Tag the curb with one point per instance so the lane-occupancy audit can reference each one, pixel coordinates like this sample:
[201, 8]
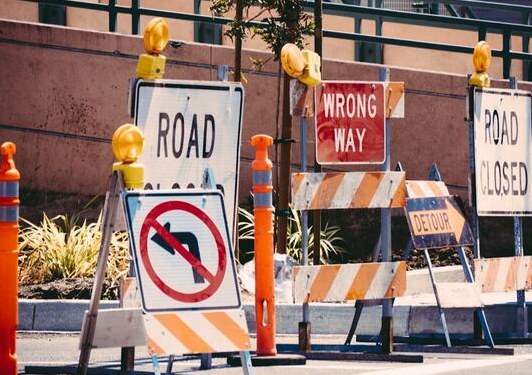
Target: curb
[67, 316]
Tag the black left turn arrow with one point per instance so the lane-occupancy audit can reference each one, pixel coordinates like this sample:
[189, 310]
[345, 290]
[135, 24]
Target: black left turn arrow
[188, 240]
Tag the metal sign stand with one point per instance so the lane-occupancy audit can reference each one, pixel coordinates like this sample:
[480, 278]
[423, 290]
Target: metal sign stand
[383, 248]
[387, 325]
[480, 314]
[434, 175]
[522, 313]
[522, 310]
[127, 359]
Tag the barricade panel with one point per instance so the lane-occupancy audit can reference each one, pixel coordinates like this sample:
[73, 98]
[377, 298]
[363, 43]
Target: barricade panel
[347, 282]
[341, 190]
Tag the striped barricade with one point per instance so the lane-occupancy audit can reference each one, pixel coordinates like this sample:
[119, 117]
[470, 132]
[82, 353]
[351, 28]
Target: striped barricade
[395, 99]
[503, 274]
[458, 295]
[347, 282]
[190, 332]
[313, 191]
[426, 189]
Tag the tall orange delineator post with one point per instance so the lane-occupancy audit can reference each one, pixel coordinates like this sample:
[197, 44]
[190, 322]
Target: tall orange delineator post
[264, 278]
[9, 204]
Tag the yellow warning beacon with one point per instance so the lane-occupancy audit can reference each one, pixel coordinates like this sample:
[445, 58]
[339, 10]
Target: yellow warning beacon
[481, 62]
[128, 142]
[303, 65]
[151, 64]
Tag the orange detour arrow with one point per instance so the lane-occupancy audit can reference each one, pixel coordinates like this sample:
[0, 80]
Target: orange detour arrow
[437, 222]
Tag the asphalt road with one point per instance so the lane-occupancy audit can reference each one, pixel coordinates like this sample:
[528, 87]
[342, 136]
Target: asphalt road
[61, 349]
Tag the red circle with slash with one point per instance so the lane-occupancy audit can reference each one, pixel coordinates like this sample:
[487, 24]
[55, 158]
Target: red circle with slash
[214, 280]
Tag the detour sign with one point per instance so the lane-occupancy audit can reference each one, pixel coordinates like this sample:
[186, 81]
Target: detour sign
[437, 222]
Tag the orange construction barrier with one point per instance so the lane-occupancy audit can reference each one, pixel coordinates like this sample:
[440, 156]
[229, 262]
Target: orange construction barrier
[9, 203]
[264, 278]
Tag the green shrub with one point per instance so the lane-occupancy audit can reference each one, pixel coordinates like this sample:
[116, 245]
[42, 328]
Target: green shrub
[59, 248]
[330, 244]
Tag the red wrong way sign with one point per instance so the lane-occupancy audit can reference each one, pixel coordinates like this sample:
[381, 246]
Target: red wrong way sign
[350, 123]
[182, 251]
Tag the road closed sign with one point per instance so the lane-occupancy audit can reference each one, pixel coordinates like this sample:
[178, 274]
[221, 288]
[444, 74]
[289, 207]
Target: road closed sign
[503, 152]
[188, 127]
[182, 250]
[350, 123]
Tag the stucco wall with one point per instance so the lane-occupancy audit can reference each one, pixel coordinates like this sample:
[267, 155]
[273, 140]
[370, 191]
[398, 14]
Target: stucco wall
[64, 91]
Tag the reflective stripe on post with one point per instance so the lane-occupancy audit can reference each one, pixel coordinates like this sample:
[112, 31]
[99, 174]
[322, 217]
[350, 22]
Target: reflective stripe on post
[9, 189]
[262, 177]
[262, 200]
[9, 202]
[8, 214]
[264, 278]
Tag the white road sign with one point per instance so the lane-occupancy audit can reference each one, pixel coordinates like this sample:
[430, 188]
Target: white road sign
[190, 126]
[503, 152]
[182, 250]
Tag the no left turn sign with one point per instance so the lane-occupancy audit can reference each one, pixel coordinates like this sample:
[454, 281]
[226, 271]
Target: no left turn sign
[182, 251]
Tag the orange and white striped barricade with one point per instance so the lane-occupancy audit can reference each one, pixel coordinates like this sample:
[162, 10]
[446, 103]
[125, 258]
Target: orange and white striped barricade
[348, 190]
[426, 189]
[343, 138]
[503, 274]
[349, 282]
[189, 331]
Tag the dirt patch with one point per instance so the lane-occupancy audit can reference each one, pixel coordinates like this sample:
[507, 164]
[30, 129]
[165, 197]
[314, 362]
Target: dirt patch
[80, 288]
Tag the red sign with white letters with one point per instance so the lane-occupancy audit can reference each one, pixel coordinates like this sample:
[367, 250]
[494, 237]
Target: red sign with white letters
[350, 123]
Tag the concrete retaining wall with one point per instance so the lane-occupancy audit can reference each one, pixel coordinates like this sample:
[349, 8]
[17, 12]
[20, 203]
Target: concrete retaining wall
[64, 91]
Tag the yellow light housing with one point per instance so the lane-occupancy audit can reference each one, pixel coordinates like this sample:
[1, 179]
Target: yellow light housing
[303, 65]
[156, 36]
[482, 57]
[128, 142]
[292, 60]
[481, 62]
[151, 64]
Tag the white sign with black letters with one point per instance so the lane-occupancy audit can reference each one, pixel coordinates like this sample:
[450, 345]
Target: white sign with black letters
[503, 152]
[188, 127]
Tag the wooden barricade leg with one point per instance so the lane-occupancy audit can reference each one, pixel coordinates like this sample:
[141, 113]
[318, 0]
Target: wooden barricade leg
[127, 359]
[110, 209]
[127, 354]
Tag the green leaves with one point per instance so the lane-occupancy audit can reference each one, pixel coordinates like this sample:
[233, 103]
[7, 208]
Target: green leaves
[284, 22]
[60, 248]
[330, 244]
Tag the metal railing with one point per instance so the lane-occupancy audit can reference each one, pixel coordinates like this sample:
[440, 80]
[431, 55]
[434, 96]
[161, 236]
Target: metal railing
[358, 13]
